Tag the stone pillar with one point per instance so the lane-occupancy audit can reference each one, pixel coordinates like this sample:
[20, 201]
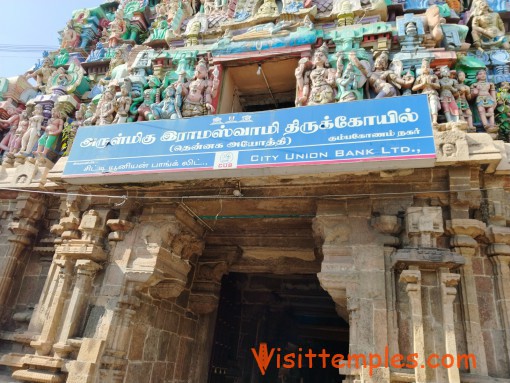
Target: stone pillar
[499, 253]
[44, 343]
[390, 226]
[29, 209]
[353, 273]
[85, 270]
[463, 232]
[112, 361]
[413, 279]
[423, 264]
[204, 300]
[449, 282]
[150, 266]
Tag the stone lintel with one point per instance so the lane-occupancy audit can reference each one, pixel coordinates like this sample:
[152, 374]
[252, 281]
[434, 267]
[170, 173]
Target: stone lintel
[426, 258]
[38, 376]
[81, 251]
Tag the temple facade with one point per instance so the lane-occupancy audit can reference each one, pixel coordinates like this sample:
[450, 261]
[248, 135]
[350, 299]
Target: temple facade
[220, 191]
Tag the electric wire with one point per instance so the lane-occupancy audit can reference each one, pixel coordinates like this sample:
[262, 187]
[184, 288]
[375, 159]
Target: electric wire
[126, 197]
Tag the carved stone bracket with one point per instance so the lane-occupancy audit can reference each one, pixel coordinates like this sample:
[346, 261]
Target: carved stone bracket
[390, 226]
[464, 232]
[212, 266]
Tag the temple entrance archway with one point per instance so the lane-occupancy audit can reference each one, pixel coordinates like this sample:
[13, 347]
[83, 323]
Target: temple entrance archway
[291, 313]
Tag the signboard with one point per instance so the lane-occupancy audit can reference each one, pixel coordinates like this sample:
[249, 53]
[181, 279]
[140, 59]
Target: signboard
[383, 134]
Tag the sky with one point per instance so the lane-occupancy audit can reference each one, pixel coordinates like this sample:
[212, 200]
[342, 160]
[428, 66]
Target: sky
[34, 23]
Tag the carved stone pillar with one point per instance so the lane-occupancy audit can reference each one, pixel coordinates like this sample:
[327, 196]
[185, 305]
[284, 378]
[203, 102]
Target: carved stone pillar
[463, 232]
[412, 278]
[29, 209]
[353, 273]
[390, 227]
[44, 343]
[151, 258]
[499, 253]
[204, 300]
[85, 271]
[113, 362]
[422, 268]
[449, 282]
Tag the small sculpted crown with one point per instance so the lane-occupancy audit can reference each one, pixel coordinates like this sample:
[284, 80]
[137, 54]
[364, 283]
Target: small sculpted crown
[324, 49]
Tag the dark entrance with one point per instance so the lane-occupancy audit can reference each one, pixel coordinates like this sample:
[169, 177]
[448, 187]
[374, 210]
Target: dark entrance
[291, 313]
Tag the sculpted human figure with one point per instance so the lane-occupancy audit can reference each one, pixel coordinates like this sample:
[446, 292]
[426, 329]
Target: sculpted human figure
[464, 95]
[485, 93]
[123, 104]
[348, 85]
[447, 94]
[117, 28]
[15, 141]
[106, 108]
[11, 124]
[43, 74]
[170, 107]
[51, 132]
[488, 29]
[70, 38]
[33, 132]
[150, 96]
[384, 81]
[315, 86]
[267, 9]
[199, 92]
[428, 83]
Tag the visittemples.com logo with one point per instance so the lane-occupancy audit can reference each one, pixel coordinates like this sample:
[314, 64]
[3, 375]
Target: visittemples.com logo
[264, 356]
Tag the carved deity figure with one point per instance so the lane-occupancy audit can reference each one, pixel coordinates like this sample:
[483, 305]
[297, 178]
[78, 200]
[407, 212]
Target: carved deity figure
[33, 132]
[98, 53]
[123, 104]
[199, 92]
[53, 129]
[267, 9]
[349, 81]
[70, 38]
[10, 124]
[384, 81]
[428, 83]
[447, 94]
[15, 141]
[464, 95]
[106, 108]
[151, 96]
[70, 130]
[315, 86]
[43, 74]
[117, 29]
[170, 106]
[485, 93]
[488, 29]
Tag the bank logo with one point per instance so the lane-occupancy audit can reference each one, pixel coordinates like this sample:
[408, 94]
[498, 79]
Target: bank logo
[226, 160]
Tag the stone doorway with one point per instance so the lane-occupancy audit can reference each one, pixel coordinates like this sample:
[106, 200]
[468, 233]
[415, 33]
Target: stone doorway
[285, 311]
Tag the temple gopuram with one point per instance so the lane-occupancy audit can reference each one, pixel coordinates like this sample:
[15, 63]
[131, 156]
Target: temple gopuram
[250, 191]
